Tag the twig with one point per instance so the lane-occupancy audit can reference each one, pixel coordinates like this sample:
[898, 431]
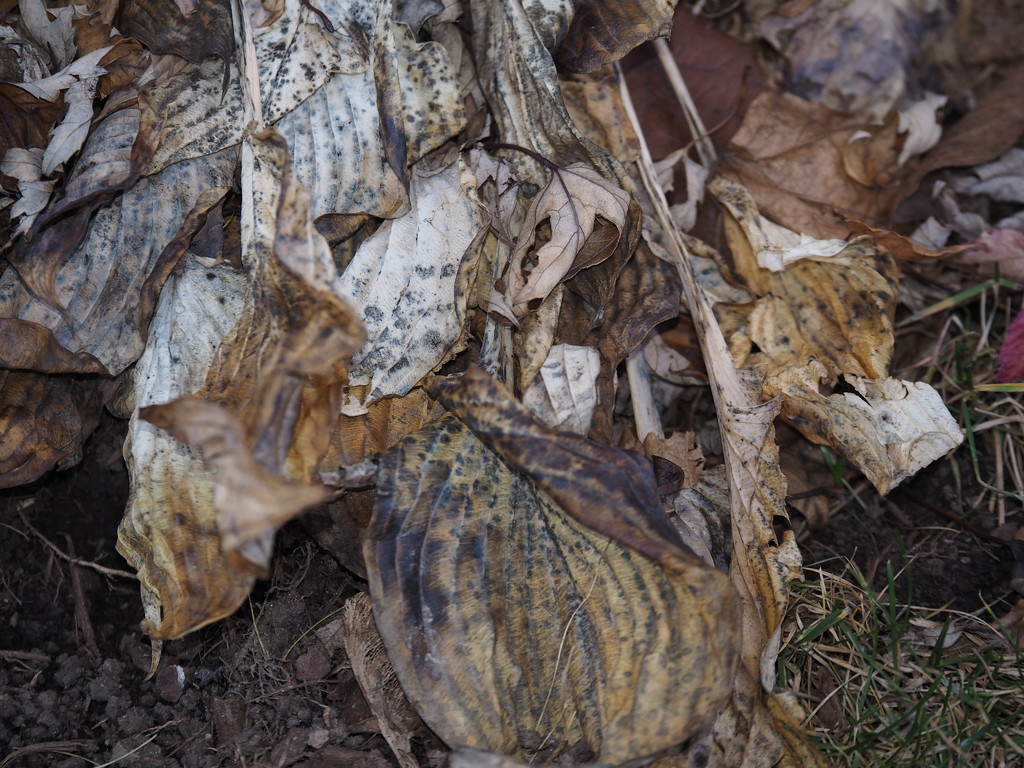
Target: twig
[82, 606]
[705, 148]
[43, 746]
[24, 655]
[645, 414]
[112, 572]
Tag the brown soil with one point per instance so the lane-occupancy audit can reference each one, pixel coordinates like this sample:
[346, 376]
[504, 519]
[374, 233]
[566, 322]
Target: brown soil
[260, 688]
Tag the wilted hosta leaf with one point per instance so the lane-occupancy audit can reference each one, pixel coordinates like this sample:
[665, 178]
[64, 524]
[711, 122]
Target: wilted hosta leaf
[580, 619]
[518, 78]
[169, 531]
[164, 28]
[324, 99]
[835, 304]
[259, 499]
[410, 282]
[889, 428]
[44, 420]
[274, 380]
[572, 203]
[99, 284]
[834, 310]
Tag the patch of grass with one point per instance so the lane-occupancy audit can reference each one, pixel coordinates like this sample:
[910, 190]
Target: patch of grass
[890, 684]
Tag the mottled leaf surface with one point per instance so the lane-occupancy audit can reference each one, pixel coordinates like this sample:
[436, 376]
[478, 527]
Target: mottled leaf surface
[410, 282]
[99, 284]
[169, 531]
[564, 633]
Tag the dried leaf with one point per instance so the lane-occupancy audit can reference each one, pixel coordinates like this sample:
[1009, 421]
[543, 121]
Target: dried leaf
[69, 136]
[793, 156]
[30, 347]
[533, 596]
[24, 119]
[169, 530]
[849, 56]
[601, 33]
[410, 282]
[248, 499]
[834, 301]
[86, 67]
[116, 255]
[564, 394]
[55, 36]
[44, 420]
[722, 93]
[164, 28]
[982, 135]
[573, 202]
[890, 429]
[377, 681]
[25, 165]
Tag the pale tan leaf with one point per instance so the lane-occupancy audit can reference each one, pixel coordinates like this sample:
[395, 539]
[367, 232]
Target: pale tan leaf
[69, 135]
[890, 429]
[56, 36]
[572, 202]
[564, 394]
[170, 507]
[248, 499]
[410, 281]
[49, 88]
[25, 165]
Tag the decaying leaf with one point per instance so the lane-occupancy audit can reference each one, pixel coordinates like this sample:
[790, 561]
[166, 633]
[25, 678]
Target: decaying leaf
[848, 55]
[601, 33]
[587, 216]
[829, 299]
[44, 420]
[824, 319]
[793, 156]
[170, 508]
[410, 282]
[564, 394]
[247, 498]
[25, 165]
[890, 429]
[376, 678]
[612, 641]
[273, 385]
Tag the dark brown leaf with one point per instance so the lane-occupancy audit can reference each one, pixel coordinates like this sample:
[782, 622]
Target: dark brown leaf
[602, 32]
[44, 420]
[163, 28]
[29, 346]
